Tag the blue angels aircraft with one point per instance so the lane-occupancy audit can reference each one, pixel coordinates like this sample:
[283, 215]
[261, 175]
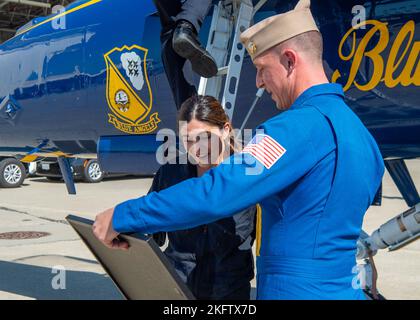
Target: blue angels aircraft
[97, 86]
[101, 79]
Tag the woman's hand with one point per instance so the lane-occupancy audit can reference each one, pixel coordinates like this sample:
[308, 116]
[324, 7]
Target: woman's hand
[103, 230]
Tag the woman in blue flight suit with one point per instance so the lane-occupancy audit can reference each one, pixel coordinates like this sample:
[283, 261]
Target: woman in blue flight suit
[214, 260]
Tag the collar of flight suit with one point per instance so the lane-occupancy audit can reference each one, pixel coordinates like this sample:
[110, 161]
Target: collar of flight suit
[320, 89]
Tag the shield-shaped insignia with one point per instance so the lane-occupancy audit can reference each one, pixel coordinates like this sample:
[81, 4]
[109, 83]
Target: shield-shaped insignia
[128, 89]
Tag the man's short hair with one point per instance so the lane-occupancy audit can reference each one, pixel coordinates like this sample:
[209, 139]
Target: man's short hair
[309, 43]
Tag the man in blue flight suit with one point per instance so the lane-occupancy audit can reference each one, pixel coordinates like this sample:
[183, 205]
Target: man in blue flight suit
[320, 171]
[181, 21]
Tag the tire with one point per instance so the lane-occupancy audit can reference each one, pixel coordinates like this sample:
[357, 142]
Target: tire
[92, 172]
[12, 173]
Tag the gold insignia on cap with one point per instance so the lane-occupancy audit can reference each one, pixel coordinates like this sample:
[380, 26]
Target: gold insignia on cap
[252, 48]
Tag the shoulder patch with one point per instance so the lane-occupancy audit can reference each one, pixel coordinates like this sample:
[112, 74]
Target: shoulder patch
[265, 149]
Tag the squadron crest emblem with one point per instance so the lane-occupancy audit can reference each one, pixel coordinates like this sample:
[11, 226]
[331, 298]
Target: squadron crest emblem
[128, 91]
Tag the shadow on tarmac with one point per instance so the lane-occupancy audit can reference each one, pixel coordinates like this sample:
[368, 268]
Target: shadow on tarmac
[36, 282]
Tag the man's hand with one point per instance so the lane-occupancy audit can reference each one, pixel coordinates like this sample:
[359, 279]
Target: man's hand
[103, 230]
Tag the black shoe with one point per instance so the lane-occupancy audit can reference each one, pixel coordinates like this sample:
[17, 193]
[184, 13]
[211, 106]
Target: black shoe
[186, 44]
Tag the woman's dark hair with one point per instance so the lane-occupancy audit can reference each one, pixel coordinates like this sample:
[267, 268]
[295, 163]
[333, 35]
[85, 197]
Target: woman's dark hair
[207, 109]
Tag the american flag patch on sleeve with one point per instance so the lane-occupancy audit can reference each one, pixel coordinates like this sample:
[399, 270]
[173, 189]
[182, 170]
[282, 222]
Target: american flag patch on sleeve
[265, 149]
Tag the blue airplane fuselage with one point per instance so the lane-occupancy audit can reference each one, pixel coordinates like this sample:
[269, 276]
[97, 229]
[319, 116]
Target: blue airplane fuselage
[62, 89]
